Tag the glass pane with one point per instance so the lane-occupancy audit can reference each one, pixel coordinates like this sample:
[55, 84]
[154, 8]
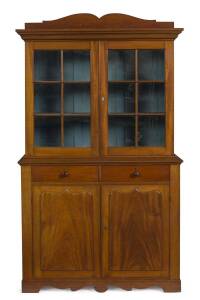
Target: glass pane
[76, 65]
[47, 131]
[151, 97]
[151, 64]
[121, 97]
[77, 132]
[121, 131]
[121, 64]
[47, 98]
[77, 97]
[47, 65]
[152, 131]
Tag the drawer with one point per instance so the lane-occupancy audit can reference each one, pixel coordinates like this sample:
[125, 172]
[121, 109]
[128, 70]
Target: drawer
[64, 173]
[135, 173]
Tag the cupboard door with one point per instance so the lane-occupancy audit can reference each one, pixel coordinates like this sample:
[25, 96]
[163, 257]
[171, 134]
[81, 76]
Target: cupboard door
[65, 231]
[63, 92]
[135, 88]
[135, 231]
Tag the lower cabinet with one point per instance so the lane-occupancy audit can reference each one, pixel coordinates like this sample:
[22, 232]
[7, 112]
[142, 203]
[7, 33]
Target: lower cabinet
[65, 231]
[127, 230]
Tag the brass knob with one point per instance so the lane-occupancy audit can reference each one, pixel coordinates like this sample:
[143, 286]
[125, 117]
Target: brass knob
[64, 174]
[135, 173]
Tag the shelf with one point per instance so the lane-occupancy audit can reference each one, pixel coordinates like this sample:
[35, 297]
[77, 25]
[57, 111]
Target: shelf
[62, 81]
[136, 114]
[76, 114]
[64, 114]
[136, 81]
[47, 114]
[46, 81]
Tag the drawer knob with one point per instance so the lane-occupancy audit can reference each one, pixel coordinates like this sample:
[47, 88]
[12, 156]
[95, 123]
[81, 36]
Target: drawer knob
[64, 174]
[135, 173]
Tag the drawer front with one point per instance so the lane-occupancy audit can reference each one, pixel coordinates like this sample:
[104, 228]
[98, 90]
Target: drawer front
[64, 173]
[135, 173]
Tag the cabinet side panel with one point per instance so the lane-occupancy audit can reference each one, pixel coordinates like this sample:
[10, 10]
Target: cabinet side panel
[26, 222]
[29, 97]
[169, 95]
[175, 222]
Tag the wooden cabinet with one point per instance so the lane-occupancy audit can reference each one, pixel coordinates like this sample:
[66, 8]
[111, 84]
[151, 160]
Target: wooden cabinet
[100, 180]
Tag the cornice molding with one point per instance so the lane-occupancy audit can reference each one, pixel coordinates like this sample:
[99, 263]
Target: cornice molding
[88, 26]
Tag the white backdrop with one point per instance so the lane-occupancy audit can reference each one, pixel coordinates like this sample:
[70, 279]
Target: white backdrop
[13, 14]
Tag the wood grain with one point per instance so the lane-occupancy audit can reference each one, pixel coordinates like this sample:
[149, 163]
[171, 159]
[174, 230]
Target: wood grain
[126, 173]
[98, 225]
[175, 222]
[26, 222]
[101, 285]
[110, 27]
[65, 231]
[56, 173]
[136, 231]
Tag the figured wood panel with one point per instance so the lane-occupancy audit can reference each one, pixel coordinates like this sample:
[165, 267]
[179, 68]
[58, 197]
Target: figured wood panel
[65, 231]
[136, 231]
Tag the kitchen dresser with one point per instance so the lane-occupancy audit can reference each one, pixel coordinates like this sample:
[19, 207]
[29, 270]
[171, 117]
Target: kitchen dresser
[100, 180]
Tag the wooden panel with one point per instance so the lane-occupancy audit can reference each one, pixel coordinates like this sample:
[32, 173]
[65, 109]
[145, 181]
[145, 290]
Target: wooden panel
[26, 222]
[136, 231]
[113, 20]
[175, 222]
[135, 173]
[66, 229]
[64, 174]
[126, 160]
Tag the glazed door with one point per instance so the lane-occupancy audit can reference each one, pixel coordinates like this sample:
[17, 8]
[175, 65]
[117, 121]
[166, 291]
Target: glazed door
[62, 97]
[136, 98]
[65, 231]
[135, 231]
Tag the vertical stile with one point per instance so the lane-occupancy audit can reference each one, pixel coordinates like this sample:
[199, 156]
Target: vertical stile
[136, 97]
[62, 100]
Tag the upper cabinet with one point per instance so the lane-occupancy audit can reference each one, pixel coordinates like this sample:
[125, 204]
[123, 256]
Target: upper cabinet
[99, 87]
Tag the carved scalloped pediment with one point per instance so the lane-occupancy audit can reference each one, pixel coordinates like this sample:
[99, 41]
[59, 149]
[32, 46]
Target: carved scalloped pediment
[110, 26]
[91, 21]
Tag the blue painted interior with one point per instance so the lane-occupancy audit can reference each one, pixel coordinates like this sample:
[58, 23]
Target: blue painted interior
[152, 131]
[121, 131]
[121, 64]
[121, 97]
[151, 97]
